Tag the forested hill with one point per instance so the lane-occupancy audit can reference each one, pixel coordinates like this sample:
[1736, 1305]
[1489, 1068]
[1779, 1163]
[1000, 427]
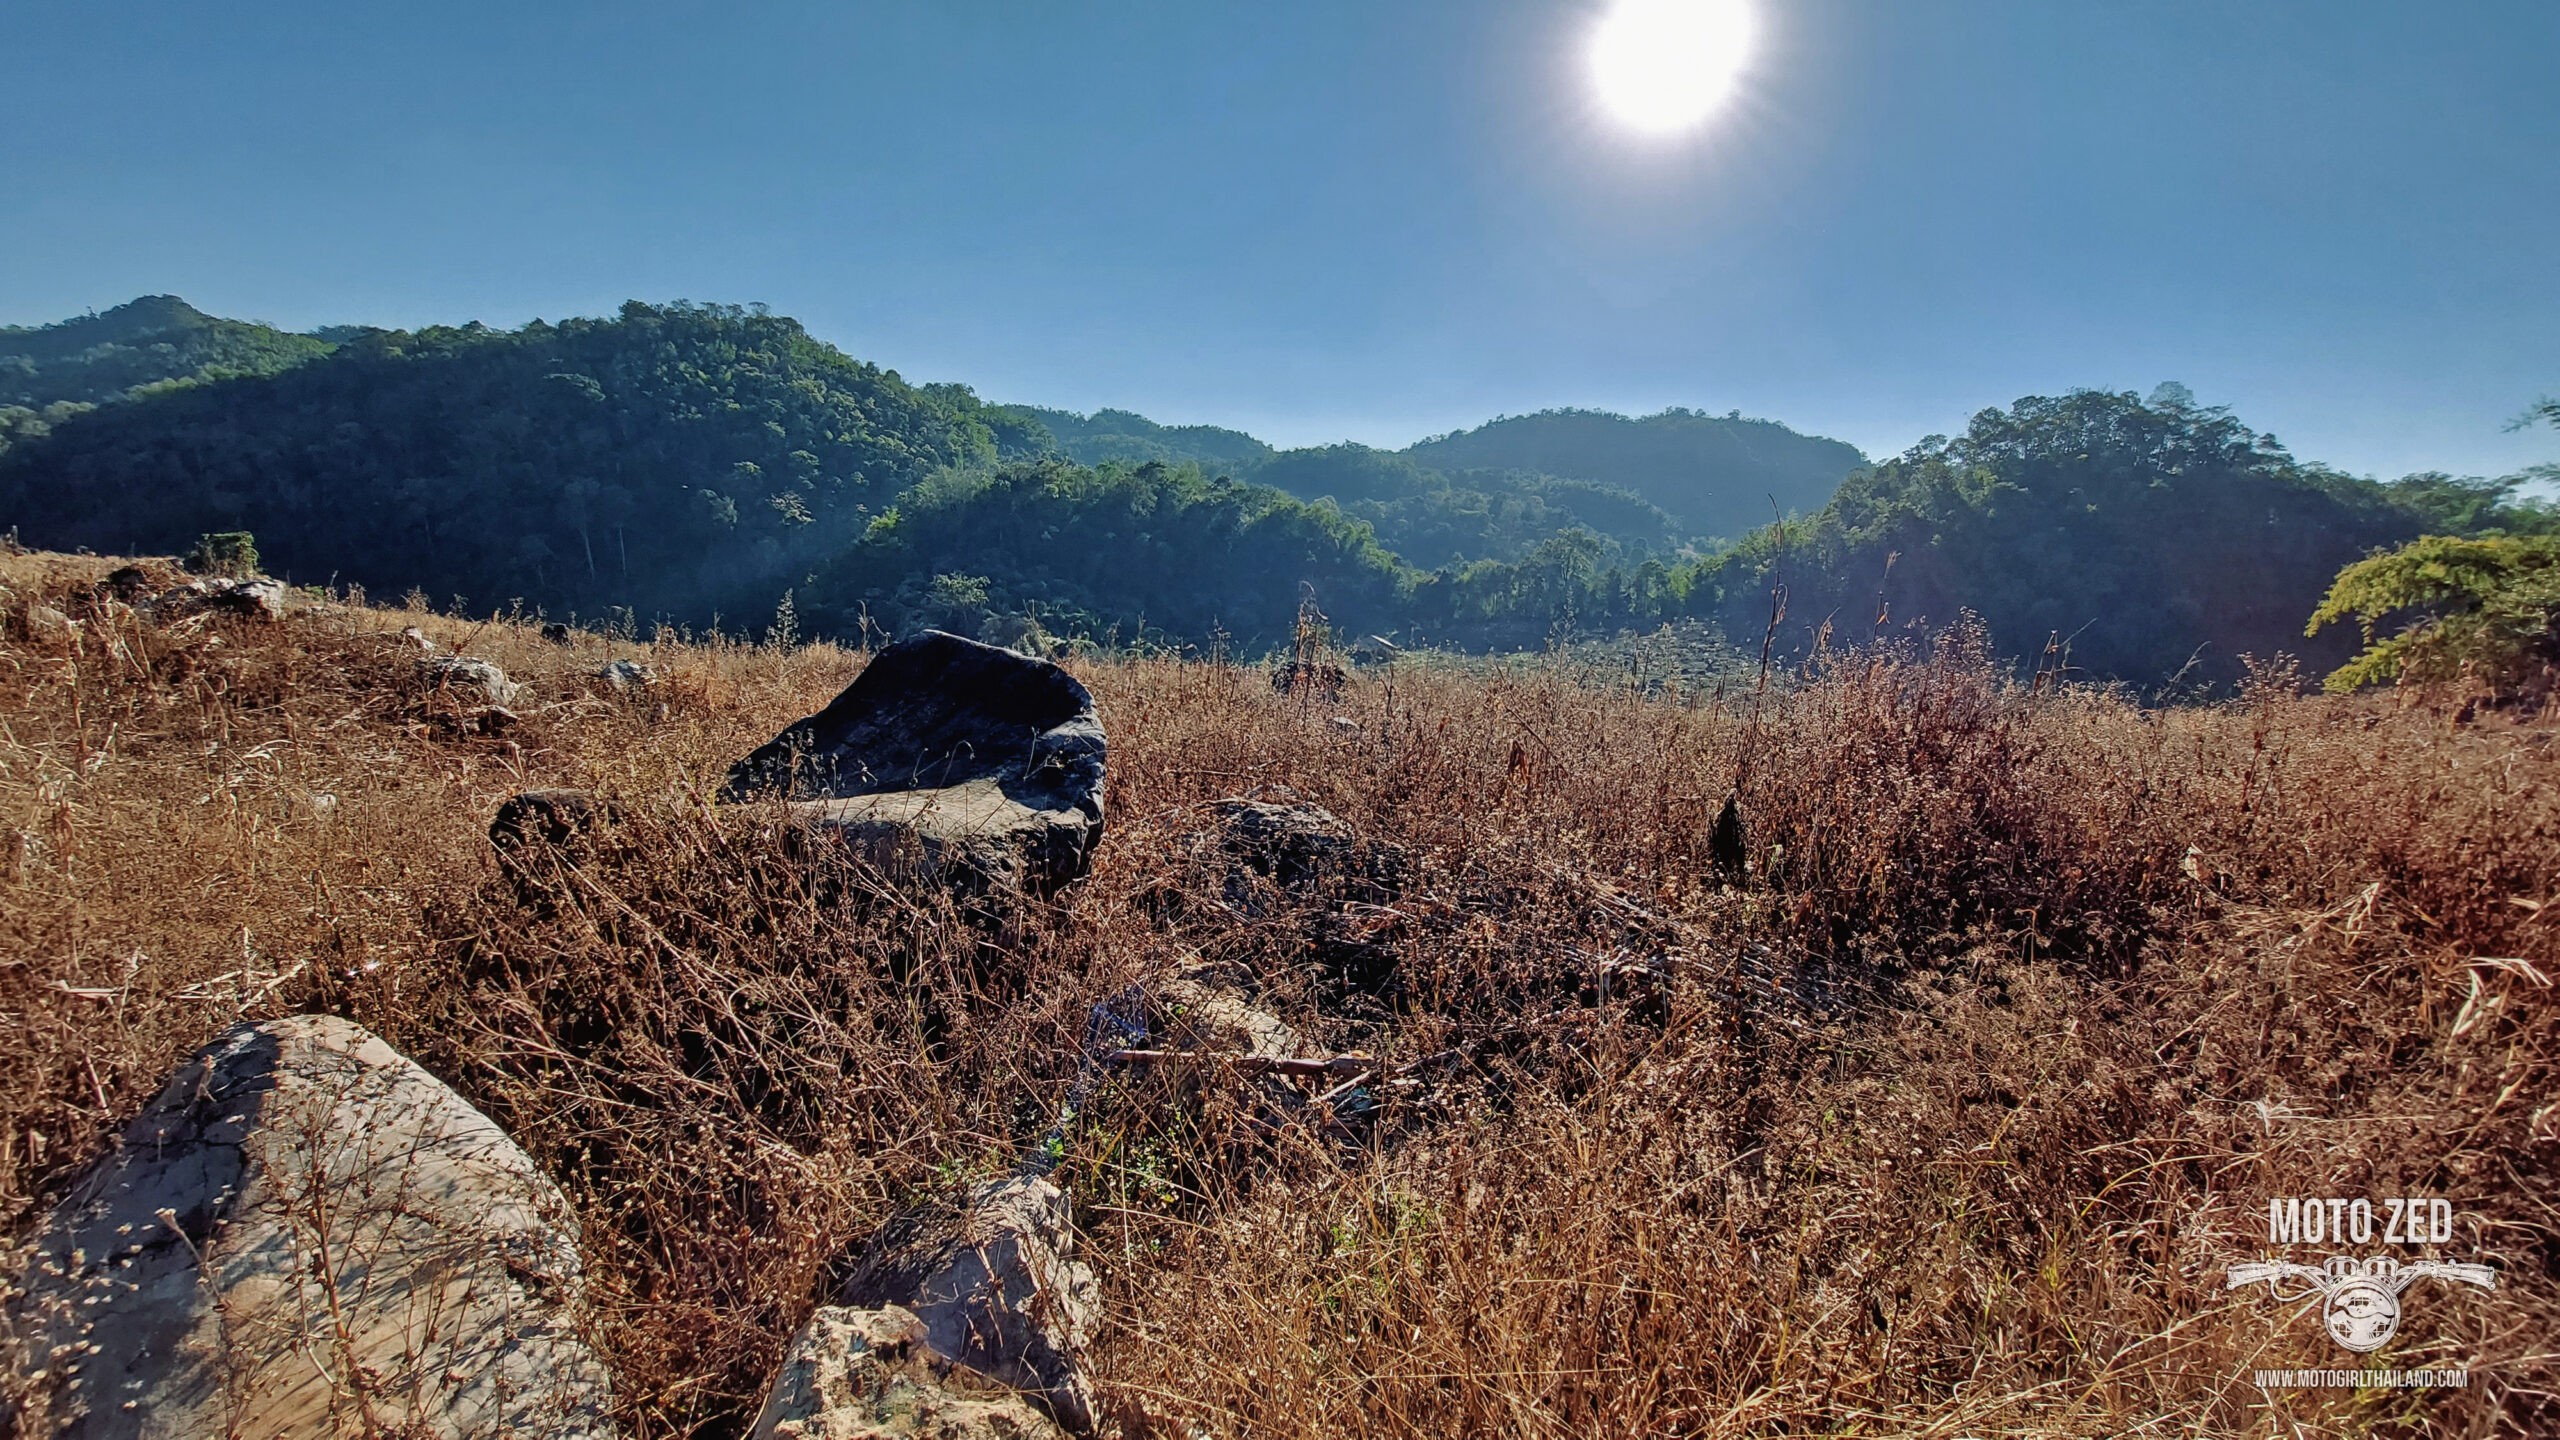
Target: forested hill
[1716, 475]
[157, 339]
[1432, 518]
[1049, 546]
[2144, 540]
[678, 460]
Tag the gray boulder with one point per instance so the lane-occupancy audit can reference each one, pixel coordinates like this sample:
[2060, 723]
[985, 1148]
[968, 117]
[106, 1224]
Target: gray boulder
[960, 758]
[306, 1235]
[852, 1374]
[997, 1291]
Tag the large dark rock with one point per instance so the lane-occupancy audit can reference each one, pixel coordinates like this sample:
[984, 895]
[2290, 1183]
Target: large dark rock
[967, 759]
[306, 1235]
[535, 820]
[1296, 847]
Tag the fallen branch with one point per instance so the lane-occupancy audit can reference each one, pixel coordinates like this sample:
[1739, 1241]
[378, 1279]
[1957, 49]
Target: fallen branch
[1248, 1064]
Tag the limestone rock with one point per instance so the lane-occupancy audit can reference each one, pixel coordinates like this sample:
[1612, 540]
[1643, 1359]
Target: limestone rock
[553, 818]
[997, 1290]
[1302, 859]
[966, 759]
[1320, 679]
[1728, 847]
[470, 676]
[129, 583]
[1206, 1009]
[259, 599]
[626, 677]
[307, 1235]
[857, 1374]
[50, 629]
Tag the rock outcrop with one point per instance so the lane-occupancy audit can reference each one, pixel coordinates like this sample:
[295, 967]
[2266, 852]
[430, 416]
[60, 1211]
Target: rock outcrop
[1295, 847]
[253, 598]
[957, 758]
[1305, 861]
[307, 1235]
[997, 1291]
[855, 1374]
[1207, 1007]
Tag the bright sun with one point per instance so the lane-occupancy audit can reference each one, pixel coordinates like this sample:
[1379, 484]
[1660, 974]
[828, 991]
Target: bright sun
[1663, 66]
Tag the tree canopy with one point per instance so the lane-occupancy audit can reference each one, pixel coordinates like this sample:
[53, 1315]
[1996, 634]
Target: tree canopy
[1431, 518]
[2484, 614]
[156, 340]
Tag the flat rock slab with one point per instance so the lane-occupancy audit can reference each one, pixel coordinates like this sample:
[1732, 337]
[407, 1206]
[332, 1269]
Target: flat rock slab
[307, 1235]
[998, 1291]
[856, 1374]
[976, 761]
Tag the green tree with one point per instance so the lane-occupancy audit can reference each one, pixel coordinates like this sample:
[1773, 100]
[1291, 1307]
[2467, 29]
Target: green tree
[230, 552]
[152, 343]
[2486, 614]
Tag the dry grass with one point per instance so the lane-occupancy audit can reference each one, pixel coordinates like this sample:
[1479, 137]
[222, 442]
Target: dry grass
[1944, 1123]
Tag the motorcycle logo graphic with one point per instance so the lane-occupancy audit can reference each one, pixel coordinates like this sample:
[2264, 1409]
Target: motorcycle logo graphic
[2360, 1299]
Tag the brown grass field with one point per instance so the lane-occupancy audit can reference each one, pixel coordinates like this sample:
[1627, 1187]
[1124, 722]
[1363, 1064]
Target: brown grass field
[1945, 1121]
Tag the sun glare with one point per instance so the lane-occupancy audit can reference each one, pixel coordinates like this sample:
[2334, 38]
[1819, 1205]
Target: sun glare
[1665, 66]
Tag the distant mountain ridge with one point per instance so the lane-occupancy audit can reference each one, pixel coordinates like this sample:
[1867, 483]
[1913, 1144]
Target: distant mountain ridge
[1126, 435]
[699, 463]
[1716, 475]
[1647, 485]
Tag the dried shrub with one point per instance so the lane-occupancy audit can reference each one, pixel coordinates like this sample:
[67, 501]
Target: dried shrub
[1942, 1115]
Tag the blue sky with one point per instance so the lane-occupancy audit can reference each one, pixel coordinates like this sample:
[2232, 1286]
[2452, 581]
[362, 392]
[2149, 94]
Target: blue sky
[1376, 219]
